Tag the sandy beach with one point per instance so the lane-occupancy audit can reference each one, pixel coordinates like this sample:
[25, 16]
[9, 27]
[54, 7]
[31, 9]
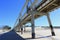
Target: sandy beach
[3, 31]
[41, 34]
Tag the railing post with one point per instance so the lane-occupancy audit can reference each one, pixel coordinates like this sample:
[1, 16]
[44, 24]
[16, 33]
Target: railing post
[50, 24]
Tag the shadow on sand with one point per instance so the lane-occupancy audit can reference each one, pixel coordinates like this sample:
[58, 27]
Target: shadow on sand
[11, 35]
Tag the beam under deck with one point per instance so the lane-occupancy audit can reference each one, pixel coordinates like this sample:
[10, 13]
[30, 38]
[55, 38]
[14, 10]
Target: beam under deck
[50, 6]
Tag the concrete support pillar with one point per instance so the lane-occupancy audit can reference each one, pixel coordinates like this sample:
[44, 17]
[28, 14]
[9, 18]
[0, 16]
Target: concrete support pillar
[18, 29]
[50, 24]
[32, 25]
[21, 29]
[24, 29]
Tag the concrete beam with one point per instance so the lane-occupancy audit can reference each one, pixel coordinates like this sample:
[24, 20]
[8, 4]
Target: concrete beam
[55, 4]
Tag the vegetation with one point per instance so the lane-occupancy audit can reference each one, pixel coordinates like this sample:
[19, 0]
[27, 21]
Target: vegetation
[7, 27]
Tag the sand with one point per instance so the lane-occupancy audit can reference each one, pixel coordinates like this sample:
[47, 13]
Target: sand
[41, 34]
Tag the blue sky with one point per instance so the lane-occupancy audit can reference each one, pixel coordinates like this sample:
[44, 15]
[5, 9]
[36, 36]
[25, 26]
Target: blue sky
[54, 17]
[10, 9]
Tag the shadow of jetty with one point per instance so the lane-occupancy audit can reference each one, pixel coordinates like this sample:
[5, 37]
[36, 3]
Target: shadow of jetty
[11, 35]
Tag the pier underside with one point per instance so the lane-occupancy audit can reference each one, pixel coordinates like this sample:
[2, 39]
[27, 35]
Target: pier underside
[33, 13]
